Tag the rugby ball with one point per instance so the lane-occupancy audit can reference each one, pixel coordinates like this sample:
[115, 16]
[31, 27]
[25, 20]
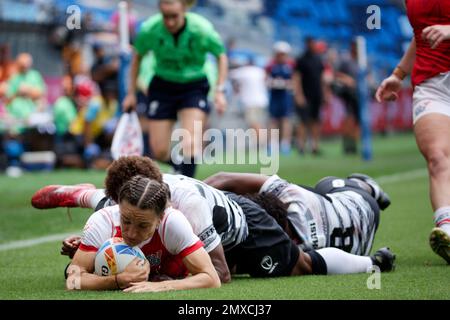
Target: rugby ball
[114, 256]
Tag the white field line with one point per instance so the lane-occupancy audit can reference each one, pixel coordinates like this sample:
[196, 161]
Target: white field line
[34, 241]
[394, 178]
[401, 177]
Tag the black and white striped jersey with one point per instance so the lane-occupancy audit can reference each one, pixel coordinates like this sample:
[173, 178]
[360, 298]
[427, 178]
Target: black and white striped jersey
[345, 220]
[208, 209]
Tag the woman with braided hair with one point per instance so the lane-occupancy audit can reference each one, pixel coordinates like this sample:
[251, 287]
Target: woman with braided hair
[145, 218]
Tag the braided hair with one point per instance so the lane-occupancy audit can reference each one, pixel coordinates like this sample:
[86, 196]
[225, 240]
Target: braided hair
[145, 193]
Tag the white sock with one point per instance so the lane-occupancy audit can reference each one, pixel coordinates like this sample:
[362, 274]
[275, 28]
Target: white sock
[442, 219]
[90, 198]
[341, 262]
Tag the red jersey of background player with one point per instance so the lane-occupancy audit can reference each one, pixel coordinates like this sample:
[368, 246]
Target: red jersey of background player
[429, 62]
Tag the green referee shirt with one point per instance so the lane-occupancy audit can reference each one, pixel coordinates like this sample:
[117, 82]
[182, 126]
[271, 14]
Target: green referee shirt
[183, 60]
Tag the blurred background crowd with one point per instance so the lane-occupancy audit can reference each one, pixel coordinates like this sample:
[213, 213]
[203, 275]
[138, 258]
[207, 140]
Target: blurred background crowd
[59, 86]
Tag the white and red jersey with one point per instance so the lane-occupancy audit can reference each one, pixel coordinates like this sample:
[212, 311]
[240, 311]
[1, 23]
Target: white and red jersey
[199, 202]
[429, 62]
[172, 241]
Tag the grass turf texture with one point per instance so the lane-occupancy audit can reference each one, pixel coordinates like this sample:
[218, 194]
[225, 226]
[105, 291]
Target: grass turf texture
[37, 272]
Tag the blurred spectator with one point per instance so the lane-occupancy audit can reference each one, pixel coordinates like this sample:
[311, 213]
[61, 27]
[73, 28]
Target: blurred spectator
[330, 63]
[105, 72]
[7, 67]
[72, 57]
[308, 93]
[68, 150]
[7, 70]
[95, 123]
[346, 87]
[26, 90]
[249, 84]
[279, 73]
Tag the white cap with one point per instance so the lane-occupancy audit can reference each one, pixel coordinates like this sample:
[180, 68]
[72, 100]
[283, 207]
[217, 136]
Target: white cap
[282, 47]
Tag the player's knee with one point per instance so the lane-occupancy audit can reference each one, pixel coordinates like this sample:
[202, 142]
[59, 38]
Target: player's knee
[438, 161]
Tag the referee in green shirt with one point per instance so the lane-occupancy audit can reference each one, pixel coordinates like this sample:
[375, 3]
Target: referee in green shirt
[180, 42]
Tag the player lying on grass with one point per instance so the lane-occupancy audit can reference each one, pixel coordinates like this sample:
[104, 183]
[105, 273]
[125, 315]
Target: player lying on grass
[224, 220]
[198, 204]
[144, 218]
[340, 213]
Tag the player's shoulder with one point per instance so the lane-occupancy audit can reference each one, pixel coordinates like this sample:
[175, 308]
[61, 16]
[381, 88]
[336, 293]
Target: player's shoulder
[172, 216]
[152, 24]
[173, 225]
[199, 25]
[198, 20]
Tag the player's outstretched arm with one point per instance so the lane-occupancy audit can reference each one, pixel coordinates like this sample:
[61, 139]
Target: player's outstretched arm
[129, 103]
[219, 262]
[388, 89]
[219, 98]
[196, 209]
[240, 183]
[81, 276]
[199, 265]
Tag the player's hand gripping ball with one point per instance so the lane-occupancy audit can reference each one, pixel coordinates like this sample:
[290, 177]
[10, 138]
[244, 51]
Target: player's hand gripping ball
[114, 256]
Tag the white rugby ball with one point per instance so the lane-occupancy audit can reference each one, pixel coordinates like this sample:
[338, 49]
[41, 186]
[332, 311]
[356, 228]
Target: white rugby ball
[114, 256]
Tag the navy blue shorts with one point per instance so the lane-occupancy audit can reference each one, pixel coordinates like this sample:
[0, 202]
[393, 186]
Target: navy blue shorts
[281, 104]
[166, 98]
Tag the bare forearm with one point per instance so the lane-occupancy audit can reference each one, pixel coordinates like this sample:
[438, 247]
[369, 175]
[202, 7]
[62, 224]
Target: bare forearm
[90, 281]
[240, 183]
[219, 262]
[408, 59]
[35, 94]
[297, 84]
[200, 280]
[222, 67]
[134, 70]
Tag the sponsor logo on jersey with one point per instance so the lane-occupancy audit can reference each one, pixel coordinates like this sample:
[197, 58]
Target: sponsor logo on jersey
[206, 234]
[153, 108]
[314, 238]
[421, 108]
[338, 183]
[267, 264]
[155, 259]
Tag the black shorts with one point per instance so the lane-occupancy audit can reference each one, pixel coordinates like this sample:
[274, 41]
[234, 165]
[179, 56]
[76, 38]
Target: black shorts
[166, 98]
[267, 251]
[309, 113]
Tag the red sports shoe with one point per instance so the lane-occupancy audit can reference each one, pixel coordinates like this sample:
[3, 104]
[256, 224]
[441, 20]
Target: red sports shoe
[55, 196]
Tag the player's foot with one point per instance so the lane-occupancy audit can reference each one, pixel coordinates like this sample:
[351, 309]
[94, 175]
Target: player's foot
[55, 196]
[384, 259]
[440, 243]
[381, 197]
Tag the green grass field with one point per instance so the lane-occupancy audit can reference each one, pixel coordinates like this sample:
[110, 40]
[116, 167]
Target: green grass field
[36, 272]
